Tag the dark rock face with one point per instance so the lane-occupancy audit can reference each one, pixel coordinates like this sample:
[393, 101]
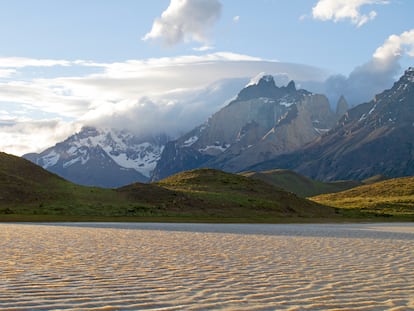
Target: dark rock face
[264, 120]
[180, 159]
[373, 138]
[266, 87]
[342, 106]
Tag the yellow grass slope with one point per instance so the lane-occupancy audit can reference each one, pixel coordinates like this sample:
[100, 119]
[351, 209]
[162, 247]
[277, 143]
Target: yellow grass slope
[393, 197]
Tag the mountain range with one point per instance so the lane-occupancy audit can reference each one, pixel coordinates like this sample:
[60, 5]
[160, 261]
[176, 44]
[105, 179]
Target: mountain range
[372, 138]
[265, 127]
[102, 157]
[262, 121]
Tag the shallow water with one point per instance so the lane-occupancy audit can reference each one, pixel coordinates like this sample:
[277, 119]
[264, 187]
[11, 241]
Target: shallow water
[99, 266]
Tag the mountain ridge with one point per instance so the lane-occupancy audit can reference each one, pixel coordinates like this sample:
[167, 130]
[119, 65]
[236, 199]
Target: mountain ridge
[263, 120]
[372, 138]
[102, 157]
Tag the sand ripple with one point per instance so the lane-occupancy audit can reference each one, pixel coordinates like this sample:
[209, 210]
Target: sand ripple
[228, 267]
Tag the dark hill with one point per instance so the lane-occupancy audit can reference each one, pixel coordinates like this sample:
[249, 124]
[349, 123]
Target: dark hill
[22, 182]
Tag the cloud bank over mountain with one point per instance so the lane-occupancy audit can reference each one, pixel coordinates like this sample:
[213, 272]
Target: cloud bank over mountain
[147, 96]
[374, 76]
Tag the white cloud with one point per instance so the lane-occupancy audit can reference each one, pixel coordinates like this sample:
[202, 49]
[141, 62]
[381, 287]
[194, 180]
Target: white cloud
[396, 46]
[19, 62]
[5, 73]
[338, 10]
[44, 96]
[236, 18]
[377, 74]
[204, 48]
[185, 20]
[20, 136]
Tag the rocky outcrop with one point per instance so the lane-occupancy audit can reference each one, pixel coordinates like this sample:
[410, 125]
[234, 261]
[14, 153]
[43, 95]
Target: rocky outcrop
[341, 107]
[263, 121]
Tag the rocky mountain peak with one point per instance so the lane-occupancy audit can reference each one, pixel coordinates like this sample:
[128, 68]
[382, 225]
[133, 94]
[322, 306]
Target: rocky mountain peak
[408, 76]
[102, 157]
[85, 132]
[264, 120]
[342, 106]
[261, 78]
[410, 70]
[405, 83]
[263, 86]
[291, 87]
[266, 80]
[375, 137]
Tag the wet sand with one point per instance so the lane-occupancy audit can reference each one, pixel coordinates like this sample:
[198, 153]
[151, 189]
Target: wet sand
[206, 267]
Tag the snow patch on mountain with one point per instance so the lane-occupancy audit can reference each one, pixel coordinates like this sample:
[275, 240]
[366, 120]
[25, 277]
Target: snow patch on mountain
[190, 141]
[286, 104]
[217, 147]
[50, 159]
[125, 149]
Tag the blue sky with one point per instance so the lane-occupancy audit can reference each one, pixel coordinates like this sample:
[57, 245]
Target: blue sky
[67, 63]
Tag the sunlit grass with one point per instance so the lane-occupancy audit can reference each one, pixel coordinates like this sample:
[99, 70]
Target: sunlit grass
[394, 197]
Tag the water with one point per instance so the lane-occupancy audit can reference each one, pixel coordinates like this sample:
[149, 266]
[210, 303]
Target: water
[99, 266]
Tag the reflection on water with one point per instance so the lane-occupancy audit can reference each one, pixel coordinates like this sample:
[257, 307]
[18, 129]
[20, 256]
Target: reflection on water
[206, 267]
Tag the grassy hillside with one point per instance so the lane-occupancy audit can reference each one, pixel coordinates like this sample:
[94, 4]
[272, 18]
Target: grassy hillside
[26, 189]
[391, 197]
[299, 184]
[27, 192]
[228, 194]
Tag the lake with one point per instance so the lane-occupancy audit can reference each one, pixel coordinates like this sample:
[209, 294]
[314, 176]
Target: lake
[150, 266]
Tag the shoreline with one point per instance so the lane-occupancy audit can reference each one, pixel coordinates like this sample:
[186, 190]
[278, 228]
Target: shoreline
[13, 218]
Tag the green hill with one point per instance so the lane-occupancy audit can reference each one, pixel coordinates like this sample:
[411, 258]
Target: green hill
[229, 194]
[26, 188]
[391, 197]
[299, 184]
[28, 192]
[21, 182]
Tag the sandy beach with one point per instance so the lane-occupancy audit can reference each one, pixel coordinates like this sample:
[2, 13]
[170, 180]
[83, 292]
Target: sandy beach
[206, 267]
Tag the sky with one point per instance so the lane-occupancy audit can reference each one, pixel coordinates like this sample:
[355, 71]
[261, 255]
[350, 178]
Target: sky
[167, 65]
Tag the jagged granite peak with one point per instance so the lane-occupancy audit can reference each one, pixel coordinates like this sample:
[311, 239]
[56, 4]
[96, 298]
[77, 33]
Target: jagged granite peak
[261, 78]
[372, 138]
[291, 87]
[264, 120]
[265, 87]
[102, 157]
[342, 106]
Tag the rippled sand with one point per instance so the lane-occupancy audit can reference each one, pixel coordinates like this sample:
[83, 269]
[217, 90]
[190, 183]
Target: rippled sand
[206, 267]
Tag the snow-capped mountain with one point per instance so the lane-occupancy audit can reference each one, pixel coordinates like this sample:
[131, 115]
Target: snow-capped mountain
[372, 138]
[102, 157]
[262, 121]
